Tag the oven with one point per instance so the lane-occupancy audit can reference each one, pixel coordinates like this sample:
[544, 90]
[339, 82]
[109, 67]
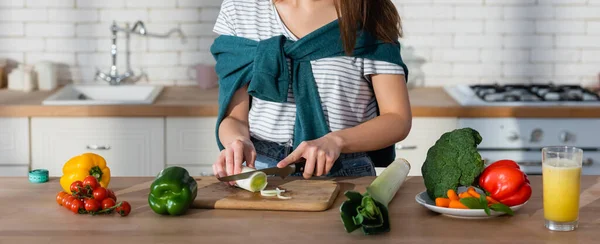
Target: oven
[522, 140]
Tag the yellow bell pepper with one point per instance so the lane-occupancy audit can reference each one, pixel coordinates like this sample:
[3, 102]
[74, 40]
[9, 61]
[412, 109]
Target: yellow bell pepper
[78, 167]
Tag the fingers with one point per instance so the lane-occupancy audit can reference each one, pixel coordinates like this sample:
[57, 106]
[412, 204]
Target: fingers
[321, 163]
[229, 161]
[293, 157]
[311, 163]
[329, 161]
[238, 156]
[250, 157]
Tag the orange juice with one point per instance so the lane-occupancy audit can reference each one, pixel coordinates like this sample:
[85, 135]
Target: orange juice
[561, 179]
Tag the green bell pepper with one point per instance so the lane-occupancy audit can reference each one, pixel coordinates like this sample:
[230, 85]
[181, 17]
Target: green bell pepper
[172, 192]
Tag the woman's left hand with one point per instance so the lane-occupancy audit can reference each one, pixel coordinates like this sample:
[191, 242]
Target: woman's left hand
[320, 154]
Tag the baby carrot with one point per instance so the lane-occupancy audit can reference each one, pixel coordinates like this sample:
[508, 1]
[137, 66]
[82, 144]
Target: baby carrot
[442, 202]
[474, 193]
[491, 200]
[452, 195]
[464, 195]
[457, 204]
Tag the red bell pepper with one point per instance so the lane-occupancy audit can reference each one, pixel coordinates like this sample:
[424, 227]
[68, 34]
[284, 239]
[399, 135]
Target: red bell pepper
[506, 183]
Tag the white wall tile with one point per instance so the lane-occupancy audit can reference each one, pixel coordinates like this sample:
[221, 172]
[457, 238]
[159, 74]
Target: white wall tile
[13, 56]
[172, 44]
[100, 4]
[19, 15]
[174, 15]
[528, 41]
[478, 12]
[527, 69]
[154, 59]
[546, 55]
[21, 44]
[201, 29]
[167, 73]
[510, 27]
[199, 3]
[12, 29]
[591, 56]
[476, 70]
[50, 3]
[593, 27]
[57, 57]
[563, 26]
[578, 41]
[151, 3]
[49, 30]
[478, 41]
[505, 55]
[130, 15]
[72, 15]
[534, 12]
[456, 55]
[12, 3]
[427, 12]
[578, 12]
[70, 45]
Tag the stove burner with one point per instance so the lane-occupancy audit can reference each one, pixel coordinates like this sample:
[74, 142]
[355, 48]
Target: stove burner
[534, 93]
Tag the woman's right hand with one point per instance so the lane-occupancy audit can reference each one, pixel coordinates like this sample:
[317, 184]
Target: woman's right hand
[231, 158]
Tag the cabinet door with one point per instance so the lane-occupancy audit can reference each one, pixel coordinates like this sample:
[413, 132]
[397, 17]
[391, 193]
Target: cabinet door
[14, 141]
[424, 133]
[130, 146]
[14, 170]
[191, 141]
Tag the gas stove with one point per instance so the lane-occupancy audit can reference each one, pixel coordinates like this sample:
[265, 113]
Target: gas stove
[523, 95]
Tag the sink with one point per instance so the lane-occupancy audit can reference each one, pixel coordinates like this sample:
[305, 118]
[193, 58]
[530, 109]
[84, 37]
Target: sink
[104, 95]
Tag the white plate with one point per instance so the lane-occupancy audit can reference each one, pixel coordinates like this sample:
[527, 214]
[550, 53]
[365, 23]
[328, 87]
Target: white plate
[423, 199]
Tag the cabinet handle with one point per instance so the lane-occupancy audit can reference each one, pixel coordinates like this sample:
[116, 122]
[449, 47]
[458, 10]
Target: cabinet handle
[400, 147]
[96, 147]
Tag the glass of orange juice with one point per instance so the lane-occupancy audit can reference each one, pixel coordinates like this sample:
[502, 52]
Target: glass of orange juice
[561, 176]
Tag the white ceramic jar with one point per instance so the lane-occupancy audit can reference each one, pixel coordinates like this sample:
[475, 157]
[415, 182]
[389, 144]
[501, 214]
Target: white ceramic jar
[22, 79]
[46, 75]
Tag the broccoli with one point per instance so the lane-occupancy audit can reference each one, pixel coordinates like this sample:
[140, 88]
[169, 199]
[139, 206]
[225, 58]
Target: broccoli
[453, 161]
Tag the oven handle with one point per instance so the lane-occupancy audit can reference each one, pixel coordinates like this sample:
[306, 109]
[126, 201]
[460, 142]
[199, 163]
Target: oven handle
[586, 162]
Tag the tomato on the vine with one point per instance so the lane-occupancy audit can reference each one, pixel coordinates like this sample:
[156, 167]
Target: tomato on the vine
[90, 181]
[67, 201]
[91, 205]
[111, 194]
[108, 203]
[76, 186]
[100, 194]
[124, 209]
[60, 196]
[76, 205]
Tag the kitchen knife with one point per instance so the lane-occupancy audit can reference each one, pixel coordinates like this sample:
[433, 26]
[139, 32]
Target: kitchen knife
[281, 172]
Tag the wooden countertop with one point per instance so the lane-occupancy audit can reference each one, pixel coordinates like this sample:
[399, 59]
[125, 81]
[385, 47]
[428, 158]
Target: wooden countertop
[29, 213]
[194, 102]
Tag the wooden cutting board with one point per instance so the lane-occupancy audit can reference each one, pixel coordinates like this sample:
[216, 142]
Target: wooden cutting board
[307, 195]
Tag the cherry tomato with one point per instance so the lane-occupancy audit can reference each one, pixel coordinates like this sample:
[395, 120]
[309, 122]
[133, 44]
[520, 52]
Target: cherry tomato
[76, 205]
[91, 205]
[60, 196]
[108, 203]
[76, 186]
[67, 201]
[91, 182]
[100, 194]
[111, 194]
[124, 209]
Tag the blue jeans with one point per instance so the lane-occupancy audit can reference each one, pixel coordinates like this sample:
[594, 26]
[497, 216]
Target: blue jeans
[352, 164]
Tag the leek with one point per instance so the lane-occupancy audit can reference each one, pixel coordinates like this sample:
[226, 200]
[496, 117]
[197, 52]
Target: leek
[369, 211]
[256, 182]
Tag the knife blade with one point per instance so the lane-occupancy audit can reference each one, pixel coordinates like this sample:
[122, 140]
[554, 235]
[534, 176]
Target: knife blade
[281, 172]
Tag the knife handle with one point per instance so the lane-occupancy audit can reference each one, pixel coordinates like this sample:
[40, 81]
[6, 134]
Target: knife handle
[299, 166]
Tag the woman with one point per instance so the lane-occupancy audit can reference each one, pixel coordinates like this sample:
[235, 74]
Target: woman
[320, 105]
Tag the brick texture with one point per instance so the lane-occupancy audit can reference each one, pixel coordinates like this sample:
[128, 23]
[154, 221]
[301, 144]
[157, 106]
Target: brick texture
[446, 41]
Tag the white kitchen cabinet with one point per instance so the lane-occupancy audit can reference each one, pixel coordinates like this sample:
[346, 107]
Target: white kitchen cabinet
[191, 142]
[14, 170]
[130, 146]
[14, 146]
[424, 133]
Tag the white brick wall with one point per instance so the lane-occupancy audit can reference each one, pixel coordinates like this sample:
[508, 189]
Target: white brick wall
[446, 41]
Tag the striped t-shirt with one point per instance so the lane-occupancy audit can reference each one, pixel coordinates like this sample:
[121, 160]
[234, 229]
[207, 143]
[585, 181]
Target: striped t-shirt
[343, 83]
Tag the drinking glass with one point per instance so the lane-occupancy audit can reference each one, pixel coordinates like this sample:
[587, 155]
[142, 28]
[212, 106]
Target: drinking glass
[561, 176]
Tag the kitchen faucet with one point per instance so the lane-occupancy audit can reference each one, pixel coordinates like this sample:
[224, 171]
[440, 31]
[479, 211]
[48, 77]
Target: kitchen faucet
[113, 77]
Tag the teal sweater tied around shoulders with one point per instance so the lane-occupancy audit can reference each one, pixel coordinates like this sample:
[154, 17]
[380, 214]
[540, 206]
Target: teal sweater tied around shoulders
[263, 67]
